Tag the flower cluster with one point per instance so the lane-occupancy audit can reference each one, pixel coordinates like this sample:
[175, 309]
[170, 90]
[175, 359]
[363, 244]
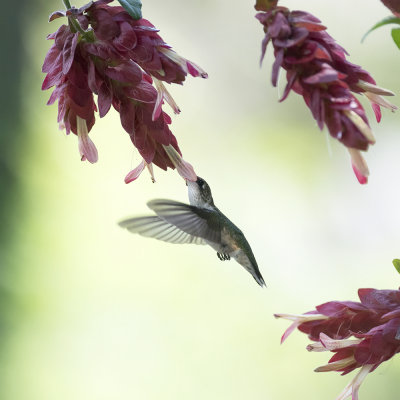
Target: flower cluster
[317, 69]
[373, 324]
[103, 51]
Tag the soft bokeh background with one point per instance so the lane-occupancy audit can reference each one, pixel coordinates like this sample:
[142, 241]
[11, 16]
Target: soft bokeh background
[89, 312]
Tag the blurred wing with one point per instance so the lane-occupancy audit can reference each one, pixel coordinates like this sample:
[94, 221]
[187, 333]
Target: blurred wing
[195, 221]
[157, 228]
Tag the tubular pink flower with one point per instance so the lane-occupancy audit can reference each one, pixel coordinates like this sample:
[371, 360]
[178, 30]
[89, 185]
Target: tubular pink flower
[336, 365]
[184, 169]
[377, 102]
[87, 149]
[353, 387]
[135, 173]
[317, 69]
[162, 93]
[371, 88]
[315, 347]
[359, 165]
[328, 344]
[362, 126]
[333, 344]
[188, 66]
[298, 320]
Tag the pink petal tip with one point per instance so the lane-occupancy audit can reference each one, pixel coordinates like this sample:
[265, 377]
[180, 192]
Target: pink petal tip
[360, 177]
[135, 173]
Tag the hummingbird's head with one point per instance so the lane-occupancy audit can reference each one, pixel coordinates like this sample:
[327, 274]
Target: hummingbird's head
[200, 193]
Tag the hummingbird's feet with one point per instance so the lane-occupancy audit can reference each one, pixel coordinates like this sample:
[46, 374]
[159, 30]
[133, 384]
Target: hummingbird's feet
[223, 256]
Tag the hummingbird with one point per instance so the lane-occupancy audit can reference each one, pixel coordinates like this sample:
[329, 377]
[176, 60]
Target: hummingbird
[199, 222]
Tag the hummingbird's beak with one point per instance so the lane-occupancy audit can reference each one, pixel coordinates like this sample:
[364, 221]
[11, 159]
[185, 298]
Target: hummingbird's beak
[184, 169]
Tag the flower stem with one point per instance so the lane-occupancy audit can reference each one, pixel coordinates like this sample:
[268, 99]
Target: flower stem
[67, 4]
[75, 25]
[73, 22]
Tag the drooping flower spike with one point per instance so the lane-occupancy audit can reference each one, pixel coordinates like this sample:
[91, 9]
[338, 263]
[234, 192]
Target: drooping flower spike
[317, 69]
[103, 51]
[361, 335]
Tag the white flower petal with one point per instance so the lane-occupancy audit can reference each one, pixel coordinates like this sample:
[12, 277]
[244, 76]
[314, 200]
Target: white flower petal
[301, 317]
[317, 347]
[162, 93]
[358, 161]
[336, 344]
[354, 385]
[151, 171]
[377, 99]
[361, 125]
[336, 365]
[370, 87]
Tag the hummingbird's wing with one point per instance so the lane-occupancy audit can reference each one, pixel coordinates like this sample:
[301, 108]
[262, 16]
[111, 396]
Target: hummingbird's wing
[157, 228]
[200, 222]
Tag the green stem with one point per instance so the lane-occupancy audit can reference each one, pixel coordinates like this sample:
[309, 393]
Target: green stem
[67, 4]
[74, 23]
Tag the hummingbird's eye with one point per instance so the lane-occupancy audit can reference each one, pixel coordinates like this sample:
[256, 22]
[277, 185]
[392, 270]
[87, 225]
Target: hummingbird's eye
[202, 183]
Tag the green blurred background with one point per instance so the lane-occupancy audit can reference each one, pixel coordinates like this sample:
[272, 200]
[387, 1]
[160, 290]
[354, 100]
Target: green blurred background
[89, 312]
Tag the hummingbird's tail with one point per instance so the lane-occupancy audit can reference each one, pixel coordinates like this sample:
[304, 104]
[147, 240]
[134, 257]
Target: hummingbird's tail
[258, 277]
[250, 264]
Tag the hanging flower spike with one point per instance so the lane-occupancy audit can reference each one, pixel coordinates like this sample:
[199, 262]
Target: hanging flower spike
[317, 69]
[359, 334]
[106, 52]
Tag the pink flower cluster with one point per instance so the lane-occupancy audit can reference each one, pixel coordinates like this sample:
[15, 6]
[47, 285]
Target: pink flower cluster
[373, 323]
[105, 52]
[317, 69]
